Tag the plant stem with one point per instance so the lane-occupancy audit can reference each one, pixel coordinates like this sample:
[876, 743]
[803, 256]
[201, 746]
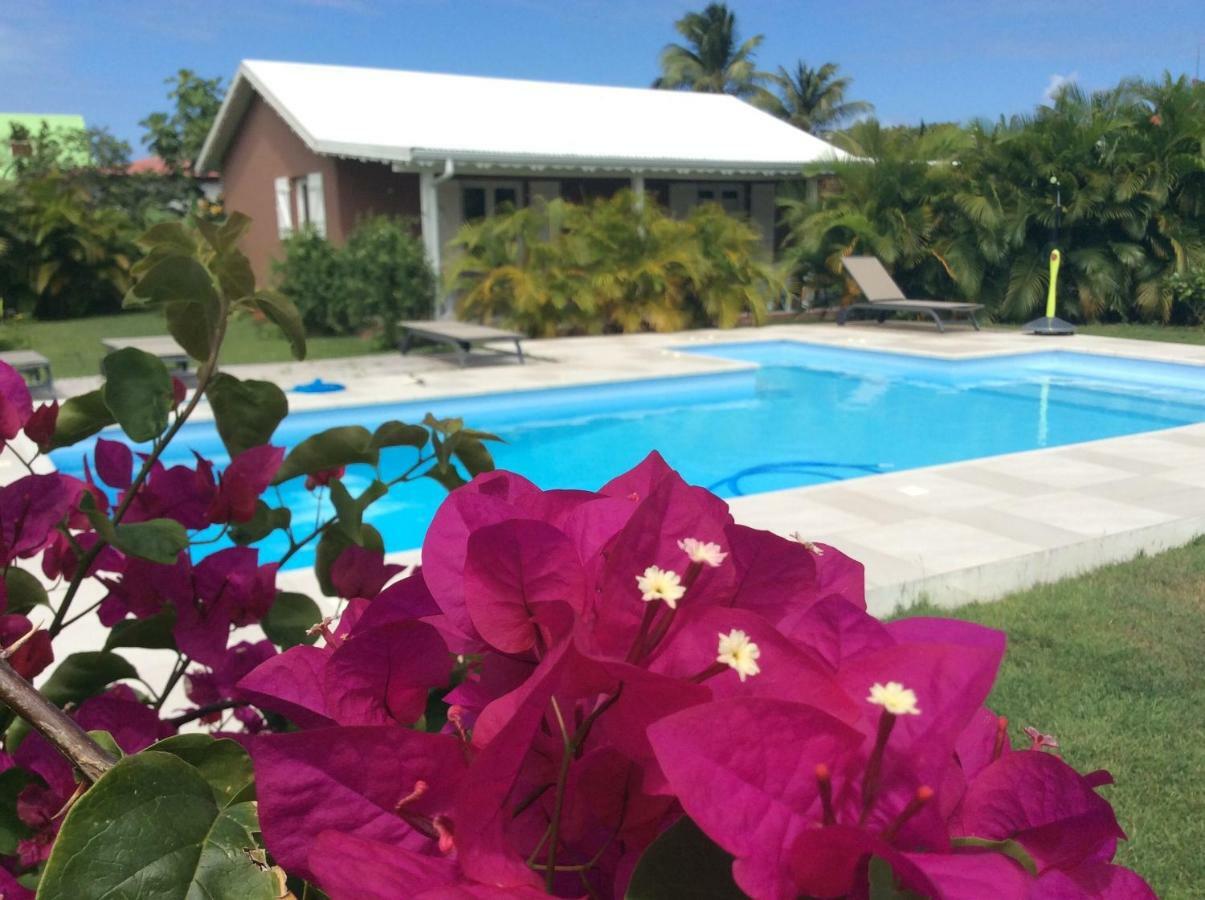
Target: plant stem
[562, 780]
[208, 368]
[182, 662]
[202, 711]
[53, 724]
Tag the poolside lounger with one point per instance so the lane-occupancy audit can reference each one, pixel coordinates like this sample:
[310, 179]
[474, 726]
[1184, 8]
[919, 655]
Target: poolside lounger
[162, 346]
[463, 336]
[884, 296]
[35, 368]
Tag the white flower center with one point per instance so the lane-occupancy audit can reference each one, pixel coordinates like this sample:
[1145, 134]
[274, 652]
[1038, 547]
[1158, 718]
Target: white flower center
[660, 584]
[740, 653]
[699, 552]
[895, 698]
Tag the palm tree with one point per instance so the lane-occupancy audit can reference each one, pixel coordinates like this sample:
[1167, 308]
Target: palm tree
[713, 59]
[814, 99]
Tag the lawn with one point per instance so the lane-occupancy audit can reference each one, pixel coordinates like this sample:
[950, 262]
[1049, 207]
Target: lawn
[1110, 663]
[73, 346]
[1177, 334]
[1173, 334]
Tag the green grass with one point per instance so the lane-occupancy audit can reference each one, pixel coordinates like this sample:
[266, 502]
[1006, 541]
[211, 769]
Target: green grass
[1176, 334]
[1110, 663]
[73, 347]
[1172, 334]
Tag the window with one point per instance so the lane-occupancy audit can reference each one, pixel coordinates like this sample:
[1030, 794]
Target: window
[300, 203]
[729, 196]
[485, 198]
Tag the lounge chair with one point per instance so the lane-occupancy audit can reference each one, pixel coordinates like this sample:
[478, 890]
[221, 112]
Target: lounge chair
[35, 368]
[884, 296]
[463, 336]
[162, 346]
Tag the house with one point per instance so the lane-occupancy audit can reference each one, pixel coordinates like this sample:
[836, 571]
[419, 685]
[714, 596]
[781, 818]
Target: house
[323, 146]
[57, 125]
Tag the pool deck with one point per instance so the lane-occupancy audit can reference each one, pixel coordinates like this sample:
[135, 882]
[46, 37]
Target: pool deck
[953, 533]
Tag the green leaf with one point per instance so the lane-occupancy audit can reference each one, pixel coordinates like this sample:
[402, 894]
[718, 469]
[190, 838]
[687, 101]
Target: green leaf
[246, 412]
[683, 864]
[280, 310]
[266, 520]
[168, 236]
[290, 617]
[175, 277]
[81, 417]
[24, 591]
[467, 446]
[107, 741]
[192, 328]
[332, 544]
[154, 633]
[341, 446]
[156, 540]
[233, 271]
[1009, 848]
[222, 237]
[446, 475]
[12, 829]
[138, 392]
[150, 827]
[84, 675]
[399, 434]
[221, 762]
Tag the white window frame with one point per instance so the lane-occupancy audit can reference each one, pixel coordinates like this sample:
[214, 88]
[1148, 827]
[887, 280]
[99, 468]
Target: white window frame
[717, 188]
[491, 186]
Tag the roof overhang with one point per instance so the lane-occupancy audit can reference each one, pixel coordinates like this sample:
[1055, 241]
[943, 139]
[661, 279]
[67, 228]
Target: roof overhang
[414, 159]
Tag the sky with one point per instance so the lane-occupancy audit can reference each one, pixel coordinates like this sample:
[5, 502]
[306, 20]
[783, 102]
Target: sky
[940, 60]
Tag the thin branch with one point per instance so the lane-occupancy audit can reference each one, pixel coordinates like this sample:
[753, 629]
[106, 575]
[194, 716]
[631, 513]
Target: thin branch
[202, 711]
[53, 724]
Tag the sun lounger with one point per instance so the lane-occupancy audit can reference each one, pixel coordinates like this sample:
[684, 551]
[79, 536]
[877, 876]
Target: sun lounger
[162, 346]
[884, 296]
[463, 336]
[35, 368]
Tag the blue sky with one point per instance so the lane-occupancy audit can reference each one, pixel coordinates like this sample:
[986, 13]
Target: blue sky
[935, 61]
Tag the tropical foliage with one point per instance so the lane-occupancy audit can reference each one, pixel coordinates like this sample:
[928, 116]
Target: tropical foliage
[621, 693]
[378, 277]
[971, 212]
[611, 265]
[713, 58]
[814, 99]
[176, 136]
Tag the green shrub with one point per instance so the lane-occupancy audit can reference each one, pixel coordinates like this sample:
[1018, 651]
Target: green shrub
[611, 265]
[379, 276]
[1188, 291]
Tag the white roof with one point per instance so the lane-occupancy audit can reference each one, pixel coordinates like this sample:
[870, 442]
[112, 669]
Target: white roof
[412, 118]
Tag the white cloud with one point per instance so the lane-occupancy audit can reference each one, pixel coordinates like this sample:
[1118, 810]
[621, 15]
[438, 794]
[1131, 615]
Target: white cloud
[1057, 81]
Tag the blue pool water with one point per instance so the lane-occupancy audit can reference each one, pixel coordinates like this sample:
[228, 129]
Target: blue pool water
[804, 415]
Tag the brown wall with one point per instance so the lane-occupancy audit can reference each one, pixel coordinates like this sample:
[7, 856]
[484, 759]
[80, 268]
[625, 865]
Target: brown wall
[265, 148]
[367, 189]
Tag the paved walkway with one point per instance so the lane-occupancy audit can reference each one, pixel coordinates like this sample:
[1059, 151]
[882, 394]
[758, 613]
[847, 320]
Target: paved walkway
[954, 533]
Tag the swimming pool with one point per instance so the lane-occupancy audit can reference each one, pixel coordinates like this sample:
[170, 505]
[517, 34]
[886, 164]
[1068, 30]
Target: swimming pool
[800, 414]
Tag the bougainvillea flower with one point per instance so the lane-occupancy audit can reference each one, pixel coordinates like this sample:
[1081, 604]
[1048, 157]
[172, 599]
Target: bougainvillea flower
[323, 477]
[242, 482]
[207, 687]
[179, 492]
[361, 573]
[1042, 803]
[16, 406]
[228, 588]
[382, 675]
[40, 426]
[143, 588]
[353, 780]
[290, 684]
[512, 571]
[30, 508]
[114, 463]
[837, 631]
[35, 652]
[744, 770]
